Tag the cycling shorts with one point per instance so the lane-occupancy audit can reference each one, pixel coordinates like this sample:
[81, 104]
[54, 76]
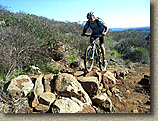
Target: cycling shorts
[101, 39]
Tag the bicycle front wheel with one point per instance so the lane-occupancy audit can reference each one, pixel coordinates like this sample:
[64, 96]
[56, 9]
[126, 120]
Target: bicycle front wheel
[89, 58]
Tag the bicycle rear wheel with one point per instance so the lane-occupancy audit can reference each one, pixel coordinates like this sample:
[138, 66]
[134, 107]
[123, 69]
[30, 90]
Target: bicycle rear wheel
[102, 63]
[89, 58]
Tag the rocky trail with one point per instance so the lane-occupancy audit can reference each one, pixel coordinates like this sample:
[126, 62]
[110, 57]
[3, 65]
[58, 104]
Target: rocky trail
[116, 90]
[135, 92]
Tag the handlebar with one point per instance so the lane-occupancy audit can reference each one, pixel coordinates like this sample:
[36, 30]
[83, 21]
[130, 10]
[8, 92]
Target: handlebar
[88, 35]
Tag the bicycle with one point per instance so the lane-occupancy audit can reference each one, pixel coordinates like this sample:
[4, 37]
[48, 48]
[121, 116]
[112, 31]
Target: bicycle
[93, 52]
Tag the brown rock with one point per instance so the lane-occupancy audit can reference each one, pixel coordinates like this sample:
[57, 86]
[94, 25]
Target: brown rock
[33, 100]
[47, 82]
[95, 74]
[95, 68]
[100, 98]
[108, 80]
[39, 87]
[144, 81]
[78, 73]
[103, 100]
[128, 92]
[42, 108]
[135, 111]
[87, 109]
[99, 76]
[92, 74]
[117, 95]
[109, 93]
[141, 103]
[90, 84]
[47, 98]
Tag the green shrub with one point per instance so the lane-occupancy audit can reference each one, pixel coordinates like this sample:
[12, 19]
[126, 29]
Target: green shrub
[133, 46]
[51, 68]
[71, 57]
[140, 55]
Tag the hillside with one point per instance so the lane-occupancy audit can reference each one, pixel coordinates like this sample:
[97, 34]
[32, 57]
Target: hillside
[28, 41]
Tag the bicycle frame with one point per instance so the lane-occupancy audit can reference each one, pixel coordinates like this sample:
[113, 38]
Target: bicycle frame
[94, 45]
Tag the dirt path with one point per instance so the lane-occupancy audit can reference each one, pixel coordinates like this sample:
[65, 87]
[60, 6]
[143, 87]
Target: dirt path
[133, 97]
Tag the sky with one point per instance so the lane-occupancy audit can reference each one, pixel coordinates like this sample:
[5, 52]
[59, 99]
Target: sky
[115, 13]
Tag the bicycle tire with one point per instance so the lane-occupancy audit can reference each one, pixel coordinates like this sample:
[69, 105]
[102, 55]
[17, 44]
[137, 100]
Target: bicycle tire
[102, 68]
[96, 58]
[89, 59]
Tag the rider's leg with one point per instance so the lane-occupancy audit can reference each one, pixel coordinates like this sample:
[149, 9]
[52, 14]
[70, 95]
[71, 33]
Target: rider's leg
[94, 37]
[102, 46]
[103, 50]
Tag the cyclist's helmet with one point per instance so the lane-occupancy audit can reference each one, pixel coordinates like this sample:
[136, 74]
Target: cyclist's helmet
[90, 15]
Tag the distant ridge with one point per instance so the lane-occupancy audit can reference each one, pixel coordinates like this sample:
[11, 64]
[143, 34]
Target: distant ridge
[140, 29]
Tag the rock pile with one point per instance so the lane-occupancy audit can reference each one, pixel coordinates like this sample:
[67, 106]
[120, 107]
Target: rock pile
[65, 93]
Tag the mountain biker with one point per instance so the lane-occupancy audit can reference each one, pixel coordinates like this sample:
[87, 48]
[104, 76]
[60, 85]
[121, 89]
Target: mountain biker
[98, 27]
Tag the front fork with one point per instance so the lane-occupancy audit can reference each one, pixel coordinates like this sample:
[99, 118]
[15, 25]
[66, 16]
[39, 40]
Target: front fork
[94, 48]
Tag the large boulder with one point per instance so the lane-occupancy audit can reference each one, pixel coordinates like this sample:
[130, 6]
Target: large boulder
[89, 84]
[20, 85]
[67, 85]
[73, 105]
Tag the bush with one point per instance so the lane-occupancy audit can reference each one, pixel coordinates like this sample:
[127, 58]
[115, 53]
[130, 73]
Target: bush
[18, 49]
[133, 46]
[140, 55]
